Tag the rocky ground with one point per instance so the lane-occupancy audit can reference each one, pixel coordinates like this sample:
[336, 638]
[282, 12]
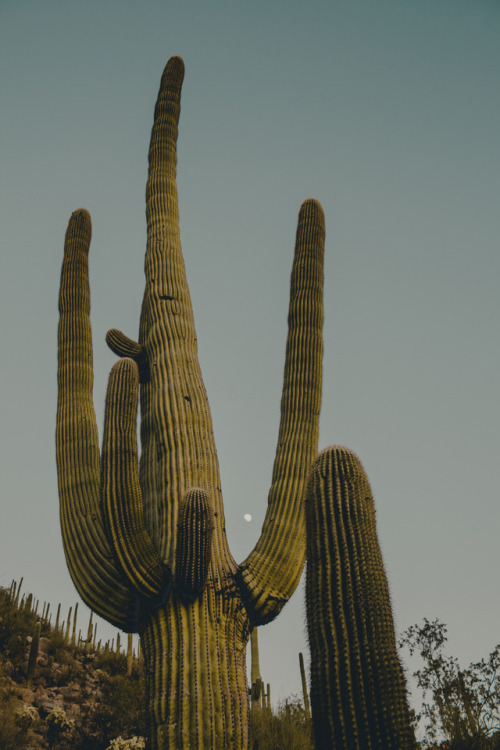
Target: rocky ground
[78, 697]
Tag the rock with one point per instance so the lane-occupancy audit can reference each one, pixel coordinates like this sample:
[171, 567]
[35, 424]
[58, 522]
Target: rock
[26, 695]
[43, 645]
[70, 692]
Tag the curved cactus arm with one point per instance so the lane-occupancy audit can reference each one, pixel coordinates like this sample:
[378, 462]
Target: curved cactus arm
[120, 489]
[195, 527]
[88, 553]
[271, 572]
[125, 347]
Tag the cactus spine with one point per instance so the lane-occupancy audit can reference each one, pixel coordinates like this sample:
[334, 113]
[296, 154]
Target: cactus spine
[146, 545]
[358, 690]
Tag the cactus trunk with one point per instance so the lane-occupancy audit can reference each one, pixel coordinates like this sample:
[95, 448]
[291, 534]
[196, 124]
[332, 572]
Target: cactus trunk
[358, 689]
[195, 663]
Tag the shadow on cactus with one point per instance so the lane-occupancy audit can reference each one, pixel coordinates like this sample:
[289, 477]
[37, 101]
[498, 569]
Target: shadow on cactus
[145, 542]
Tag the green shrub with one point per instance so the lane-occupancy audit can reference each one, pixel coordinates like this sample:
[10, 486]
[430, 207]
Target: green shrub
[111, 662]
[121, 713]
[286, 729]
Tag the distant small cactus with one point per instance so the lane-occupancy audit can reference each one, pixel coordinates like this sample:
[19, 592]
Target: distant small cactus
[33, 653]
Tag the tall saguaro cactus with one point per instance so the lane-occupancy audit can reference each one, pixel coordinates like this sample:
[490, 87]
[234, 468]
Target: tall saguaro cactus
[358, 690]
[145, 541]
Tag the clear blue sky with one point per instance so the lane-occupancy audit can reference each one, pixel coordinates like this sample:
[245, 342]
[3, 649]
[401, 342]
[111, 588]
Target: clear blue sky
[389, 114]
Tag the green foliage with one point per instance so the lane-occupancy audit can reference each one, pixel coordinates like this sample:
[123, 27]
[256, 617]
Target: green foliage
[111, 662]
[464, 705]
[287, 729]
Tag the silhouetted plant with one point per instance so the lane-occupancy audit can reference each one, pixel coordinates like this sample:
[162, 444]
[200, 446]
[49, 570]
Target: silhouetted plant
[464, 705]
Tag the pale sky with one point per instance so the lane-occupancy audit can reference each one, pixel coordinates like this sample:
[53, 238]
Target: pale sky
[389, 114]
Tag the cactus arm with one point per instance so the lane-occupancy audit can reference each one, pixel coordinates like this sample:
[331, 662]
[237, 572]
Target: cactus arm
[178, 447]
[88, 553]
[125, 347]
[120, 489]
[272, 571]
[195, 527]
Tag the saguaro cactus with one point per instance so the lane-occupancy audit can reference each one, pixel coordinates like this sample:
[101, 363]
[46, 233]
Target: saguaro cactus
[307, 707]
[257, 686]
[146, 546]
[358, 690]
[33, 655]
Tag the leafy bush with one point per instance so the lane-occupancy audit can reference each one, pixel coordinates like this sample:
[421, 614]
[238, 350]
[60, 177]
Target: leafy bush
[465, 703]
[121, 713]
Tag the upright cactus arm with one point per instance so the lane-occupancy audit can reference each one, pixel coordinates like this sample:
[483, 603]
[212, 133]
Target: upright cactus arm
[88, 553]
[121, 493]
[177, 443]
[122, 502]
[195, 527]
[272, 571]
